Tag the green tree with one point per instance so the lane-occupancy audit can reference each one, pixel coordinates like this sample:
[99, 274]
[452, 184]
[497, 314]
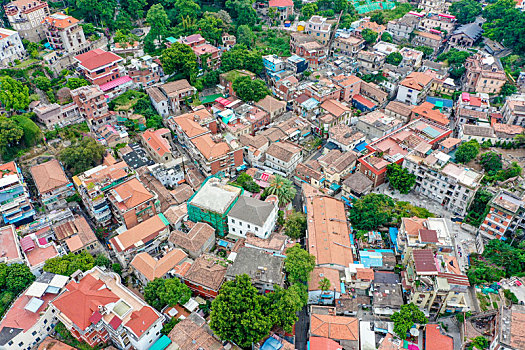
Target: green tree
[238, 314]
[308, 10]
[283, 305]
[466, 11]
[427, 51]
[135, 7]
[324, 284]
[250, 90]
[102, 260]
[175, 292]
[371, 211]
[186, 9]
[505, 24]
[83, 155]
[75, 83]
[480, 342]
[152, 291]
[32, 133]
[241, 11]
[400, 178]
[491, 162]
[10, 133]
[369, 36]
[15, 278]
[295, 226]
[283, 188]
[394, 58]
[298, 264]
[508, 89]
[467, 151]
[158, 19]
[378, 17]
[180, 58]
[407, 317]
[42, 83]
[168, 326]
[14, 95]
[211, 28]
[245, 36]
[387, 37]
[239, 57]
[67, 264]
[117, 268]
[454, 57]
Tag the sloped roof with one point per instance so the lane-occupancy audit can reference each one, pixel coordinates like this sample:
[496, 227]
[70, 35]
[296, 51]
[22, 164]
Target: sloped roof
[251, 210]
[152, 268]
[334, 327]
[49, 176]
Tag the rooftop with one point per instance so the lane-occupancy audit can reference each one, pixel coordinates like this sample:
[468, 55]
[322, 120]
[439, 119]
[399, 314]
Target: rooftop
[252, 210]
[49, 176]
[259, 265]
[436, 340]
[195, 239]
[130, 194]
[141, 233]
[10, 252]
[207, 271]
[215, 196]
[96, 59]
[152, 268]
[334, 327]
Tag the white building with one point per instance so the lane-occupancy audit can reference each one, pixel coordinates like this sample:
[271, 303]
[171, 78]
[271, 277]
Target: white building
[65, 34]
[11, 47]
[26, 16]
[167, 175]
[414, 88]
[250, 215]
[283, 157]
[30, 319]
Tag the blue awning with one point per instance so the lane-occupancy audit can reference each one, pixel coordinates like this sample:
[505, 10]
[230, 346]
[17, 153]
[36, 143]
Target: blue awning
[335, 187]
[161, 344]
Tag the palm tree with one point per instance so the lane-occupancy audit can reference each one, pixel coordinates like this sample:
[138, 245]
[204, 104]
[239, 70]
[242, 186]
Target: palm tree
[324, 284]
[282, 188]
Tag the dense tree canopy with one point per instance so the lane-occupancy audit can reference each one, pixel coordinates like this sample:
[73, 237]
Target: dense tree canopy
[161, 292]
[180, 58]
[242, 11]
[283, 188]
[295, 226]
[369, 36]
[67, 264]
[371, 211]
[248, 89]
[14, 95]
[505, 24]
[239, 57]
[466, 11]
[283, 305]
[400, 178]
[298, 264]
[10, 133]
[467, 151]
[75, 83]
[158, 19]
[491, 162]
[394, 58]
[405, 318]
[83, 155]
[15, 277]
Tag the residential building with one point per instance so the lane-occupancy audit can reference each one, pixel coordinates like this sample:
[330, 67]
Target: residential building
[37, 251]
[206, 275]
[9, 243]
[12, 48]
[451, 185]
[342, 329]
[172, 263]
[472, 109]
[93, 186]
[466, 35]
[193, 331]
[369, 62]
[158, 144]
[506, 215]
[132, 203]
[146, 236]
[435, 339]
[513, 110]
[25, 17]
[226, 80]
[76, 235]
[480, 133]
[377, 124]
[199, 240]
[433, 6]
[272, 106]
[435, 281]
[283, 8]
[57, 115]
[484, 74]
[167, 98]
[417, 233]
[52, 184]
[65, 34]
[414, 88]
[449, 145]
[399, 110]
[92, 105]
[318, 28]
[373, 26]
[412, 58]
[402, 28]
[283, 157]
[99, 66]
[168, 176]
[96, 307]
[15, 199]
[251, 215]
[348, 46]
[430, 112]
[355, 186]
[208, 56]
[324, 297]
[265, 270]
[431, 39]
[145, 71]
[509, 322]
[212, 203]
[336, 113]
[328, 232]
[442, 22]
[345, 137]
[386, 303]
[30, 318]
[337, 165]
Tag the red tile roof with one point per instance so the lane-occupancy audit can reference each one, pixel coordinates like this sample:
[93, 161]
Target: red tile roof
[424, 261]
[141, 320]
[155, 140]
[320, 343]
[115, 82]
[364, 101]
[94, 59]
[434, 340]
[280, 3]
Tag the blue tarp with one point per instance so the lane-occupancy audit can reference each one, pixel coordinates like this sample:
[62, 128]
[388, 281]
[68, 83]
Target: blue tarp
[445, 101]
[360, 146]
[223, 243]
[335, 187]
[271, 344]
[161, 344]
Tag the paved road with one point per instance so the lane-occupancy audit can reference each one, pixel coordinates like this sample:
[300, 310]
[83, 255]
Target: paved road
[301, 329]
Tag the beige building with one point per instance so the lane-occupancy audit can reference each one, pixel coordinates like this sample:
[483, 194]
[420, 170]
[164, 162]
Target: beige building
[65, 34]
[26, 16]
[484, 74]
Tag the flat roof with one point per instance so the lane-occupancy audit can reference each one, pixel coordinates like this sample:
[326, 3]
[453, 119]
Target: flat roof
[8, 245]
[215, 196]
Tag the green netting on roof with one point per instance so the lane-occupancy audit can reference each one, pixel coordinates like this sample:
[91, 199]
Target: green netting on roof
[210, 98]
[370, 5]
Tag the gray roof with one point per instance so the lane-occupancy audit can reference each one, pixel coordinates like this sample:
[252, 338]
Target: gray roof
[257, 264]
[472, 30]
[251, 210]
[358, 182]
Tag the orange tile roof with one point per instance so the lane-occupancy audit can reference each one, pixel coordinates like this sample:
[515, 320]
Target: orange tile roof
[7, 169]
[53, 344]
[334, 327]
[155, 140]
[320, 343]
[328, 232]
[416, 80]
[413, 225]
[141, 232]
[434, 340]
[426, 110]
[450, 142]
[390, 343]
[131, 194]
[141, 320]
[82, 299]
[189, 127]
[324, 272]
[49, 176]
[517, 336]
[152, 268]
[60, 20]
[209, 148]
[335, 107]
[364, 274]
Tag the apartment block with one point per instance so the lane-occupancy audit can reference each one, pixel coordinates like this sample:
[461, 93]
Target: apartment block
[65, 34]
[92, 105]
[99, 66]
[26, 16]
[11, 47]
[484, 74]
[52, 184]
[15, 200]
[506, 215]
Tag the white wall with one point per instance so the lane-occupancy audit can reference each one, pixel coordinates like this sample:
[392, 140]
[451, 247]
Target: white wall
[241, 228]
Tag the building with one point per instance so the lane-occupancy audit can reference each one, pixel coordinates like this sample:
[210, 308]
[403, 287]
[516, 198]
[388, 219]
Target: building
[508, 333]
[431, 39]
[355, 186]
[423, 233]
[212, 203]
[283, 157]
[386, 303]
[505, 216]
[37, 251]
[398, 110]
[92, 105]
[208, 56]
[93, 186]
[76, 236]
[430, 112]
[65, 34]
[99, 66]
[436, 340]
[466, 35]
[402, 28]
[146, 236]
[15, 199]
[369, 62]
[283, 8]
[272, 106]
[12, 48]
[52, 184]
[57, 115]
[206, 275]
[341, 329]
[168, 176]
[145, 71]
[251, 215]
[226, 80]
[345, 137]
[513, 110]
[348, 46]
[158, 144]
[193, 331]
[25, 17]
[199, 240]
[414, 88]
[324, 297]
[318, 28]
[147, 268]
[377, 124]
[9, 243]
[265, 270]
[328, 232]
[30, 318]
[484, 74]
[132, 203]
[451, 185]
[96, 307]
